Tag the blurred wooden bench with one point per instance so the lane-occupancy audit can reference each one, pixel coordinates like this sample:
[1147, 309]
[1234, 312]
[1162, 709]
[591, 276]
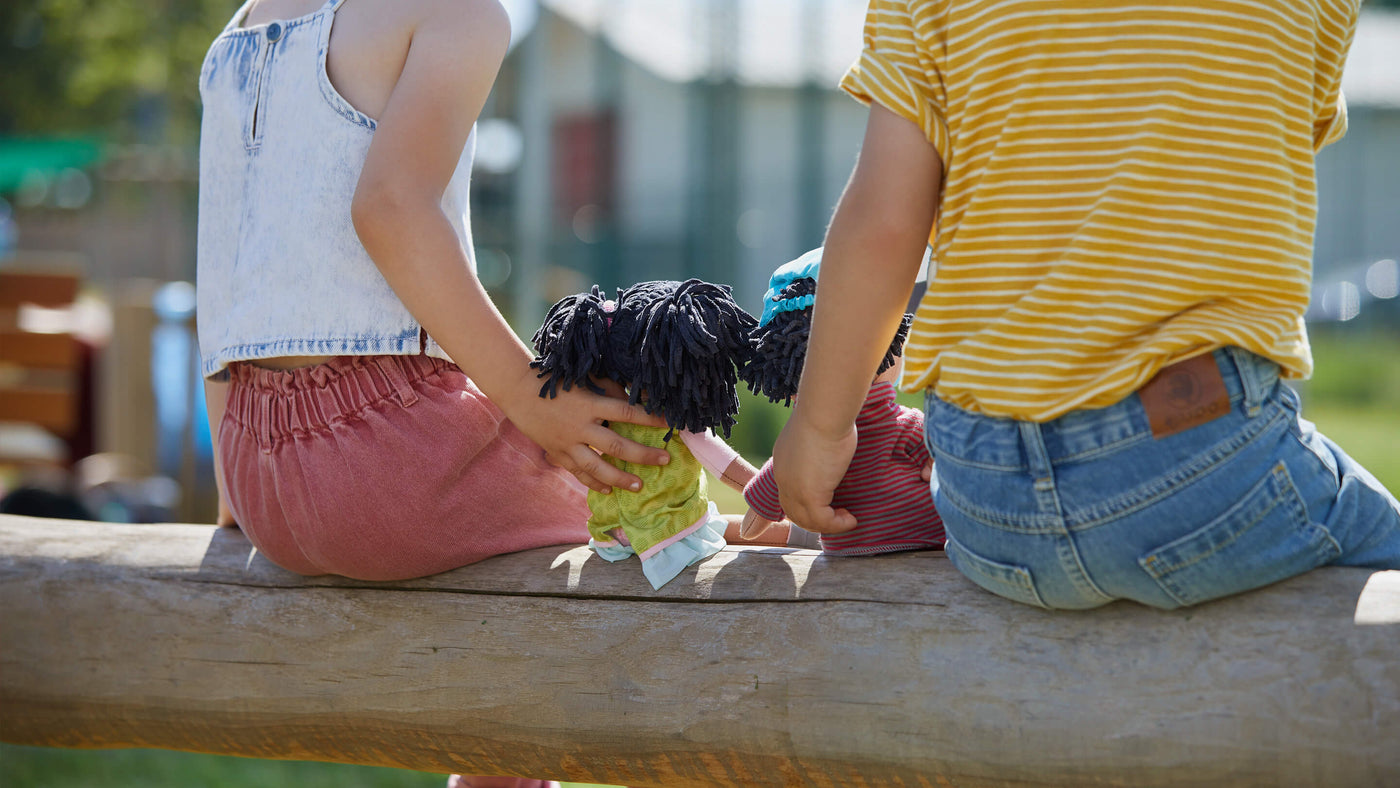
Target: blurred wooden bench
[39, 370]
[756, 667]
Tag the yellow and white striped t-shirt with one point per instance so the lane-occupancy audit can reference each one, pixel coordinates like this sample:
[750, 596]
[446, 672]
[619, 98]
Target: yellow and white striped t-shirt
[1125, 185]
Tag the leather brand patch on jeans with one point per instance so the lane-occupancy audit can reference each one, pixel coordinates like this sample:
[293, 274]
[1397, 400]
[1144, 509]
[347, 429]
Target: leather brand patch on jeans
[1184, 395]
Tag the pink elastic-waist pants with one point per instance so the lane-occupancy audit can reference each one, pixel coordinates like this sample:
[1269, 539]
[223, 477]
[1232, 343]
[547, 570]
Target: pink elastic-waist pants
[386, 468]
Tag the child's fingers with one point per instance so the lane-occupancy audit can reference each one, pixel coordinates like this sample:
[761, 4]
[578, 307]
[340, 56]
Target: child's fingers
[822, 519]
[597, 473]
[583, 476]
[622, 410]
[614, 445]
[592, 483]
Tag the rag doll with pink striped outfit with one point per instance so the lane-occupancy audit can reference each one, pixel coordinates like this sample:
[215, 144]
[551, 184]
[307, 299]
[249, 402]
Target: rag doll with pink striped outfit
[886, 487]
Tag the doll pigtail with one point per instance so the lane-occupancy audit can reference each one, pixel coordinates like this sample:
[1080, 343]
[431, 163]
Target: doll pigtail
[896, 348]
[572, 343]
[688, 340]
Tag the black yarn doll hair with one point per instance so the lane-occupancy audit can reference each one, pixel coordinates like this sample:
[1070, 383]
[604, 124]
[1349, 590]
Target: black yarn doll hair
[780, 348]
[676, 347]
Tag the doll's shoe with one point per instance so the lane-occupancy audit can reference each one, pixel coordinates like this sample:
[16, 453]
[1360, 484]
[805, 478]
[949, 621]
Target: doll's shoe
[803, 539]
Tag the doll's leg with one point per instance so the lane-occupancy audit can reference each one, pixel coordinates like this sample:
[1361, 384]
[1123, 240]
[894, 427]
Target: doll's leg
[776, 536]
[780, 534]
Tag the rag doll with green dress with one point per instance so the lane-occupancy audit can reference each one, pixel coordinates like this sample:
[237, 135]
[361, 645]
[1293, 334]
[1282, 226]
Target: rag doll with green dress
[675, 348]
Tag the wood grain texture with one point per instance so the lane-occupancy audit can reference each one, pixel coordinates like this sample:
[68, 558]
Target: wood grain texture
[757, 667]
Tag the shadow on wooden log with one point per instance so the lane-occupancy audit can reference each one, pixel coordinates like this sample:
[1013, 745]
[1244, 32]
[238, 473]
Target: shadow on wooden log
[756, 667]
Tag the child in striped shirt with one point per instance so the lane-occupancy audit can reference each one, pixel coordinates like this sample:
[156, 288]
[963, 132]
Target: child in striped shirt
[887, 485]
[1120, 202]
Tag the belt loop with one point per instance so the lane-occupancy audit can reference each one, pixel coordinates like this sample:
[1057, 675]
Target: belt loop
[1250, 383]
[395, 371]
[1038, 462]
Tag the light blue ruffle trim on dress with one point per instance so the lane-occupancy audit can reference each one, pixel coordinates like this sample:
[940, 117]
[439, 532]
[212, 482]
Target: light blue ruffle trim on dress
[670, 560]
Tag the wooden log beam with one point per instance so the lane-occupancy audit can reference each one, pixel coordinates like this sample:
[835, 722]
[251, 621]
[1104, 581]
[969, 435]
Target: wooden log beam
[757, 667]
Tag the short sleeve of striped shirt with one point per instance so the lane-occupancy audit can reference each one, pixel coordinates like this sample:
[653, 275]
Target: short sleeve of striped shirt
[1332, 125]
[899, 69]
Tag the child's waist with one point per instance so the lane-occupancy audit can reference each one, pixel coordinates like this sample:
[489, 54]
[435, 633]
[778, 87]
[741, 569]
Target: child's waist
[281, 402]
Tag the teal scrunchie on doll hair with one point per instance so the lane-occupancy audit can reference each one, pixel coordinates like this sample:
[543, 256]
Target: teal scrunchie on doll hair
[804, 267]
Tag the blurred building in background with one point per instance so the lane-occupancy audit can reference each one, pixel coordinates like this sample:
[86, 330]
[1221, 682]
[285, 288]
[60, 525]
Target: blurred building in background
[1358, 181]
[700, 137]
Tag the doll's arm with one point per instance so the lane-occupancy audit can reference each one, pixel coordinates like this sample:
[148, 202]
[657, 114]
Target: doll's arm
[915, 447]
[719, 458]
[761, 494]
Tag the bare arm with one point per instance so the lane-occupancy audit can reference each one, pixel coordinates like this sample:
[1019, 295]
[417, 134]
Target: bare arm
[872, 255]
[456, 50]
[215, 400]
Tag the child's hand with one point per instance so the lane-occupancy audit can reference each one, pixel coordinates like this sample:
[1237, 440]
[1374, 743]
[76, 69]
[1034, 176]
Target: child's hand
[570, 428]
[807, 467]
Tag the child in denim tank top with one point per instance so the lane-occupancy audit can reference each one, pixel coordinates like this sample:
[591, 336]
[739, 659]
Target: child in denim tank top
[1121, 256]
[373, 413]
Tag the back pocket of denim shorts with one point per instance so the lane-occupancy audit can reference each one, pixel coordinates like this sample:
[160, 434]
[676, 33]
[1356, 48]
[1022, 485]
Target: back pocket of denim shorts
[1265, 537]
[1008, 580]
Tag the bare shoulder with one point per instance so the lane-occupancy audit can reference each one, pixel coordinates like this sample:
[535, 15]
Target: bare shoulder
[371, 40]
[479, 22]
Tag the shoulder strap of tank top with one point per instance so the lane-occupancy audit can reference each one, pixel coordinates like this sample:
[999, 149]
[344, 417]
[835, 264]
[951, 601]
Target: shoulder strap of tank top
[239, 16]
[333, 5]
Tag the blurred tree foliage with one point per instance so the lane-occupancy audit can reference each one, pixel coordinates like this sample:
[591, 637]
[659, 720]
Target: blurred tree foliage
[126, 68]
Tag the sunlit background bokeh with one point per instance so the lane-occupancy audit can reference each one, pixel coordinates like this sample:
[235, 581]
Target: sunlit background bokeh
[625, 140]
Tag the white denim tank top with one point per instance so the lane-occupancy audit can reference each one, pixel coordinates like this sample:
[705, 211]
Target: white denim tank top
[281, 271]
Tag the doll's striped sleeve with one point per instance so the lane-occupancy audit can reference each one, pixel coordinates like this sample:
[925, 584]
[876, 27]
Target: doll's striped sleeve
[762, 494]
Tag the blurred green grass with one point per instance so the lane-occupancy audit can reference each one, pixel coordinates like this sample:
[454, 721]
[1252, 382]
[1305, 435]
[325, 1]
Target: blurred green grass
[1353, 397]
[43, 767]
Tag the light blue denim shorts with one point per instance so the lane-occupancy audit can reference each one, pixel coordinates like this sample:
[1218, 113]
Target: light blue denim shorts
[1089, 508]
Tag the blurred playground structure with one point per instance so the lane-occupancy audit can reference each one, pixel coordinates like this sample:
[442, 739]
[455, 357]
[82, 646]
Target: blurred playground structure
[626, 140]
